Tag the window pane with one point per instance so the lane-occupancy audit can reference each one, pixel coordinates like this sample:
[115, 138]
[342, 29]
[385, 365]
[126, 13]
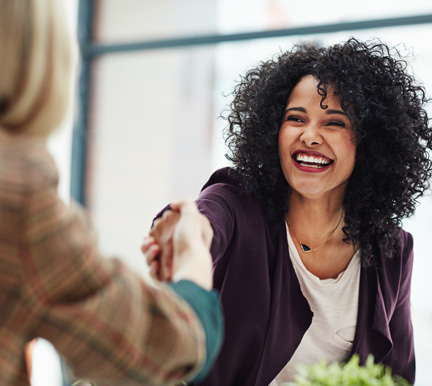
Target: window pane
[244, 15]
[150, 139]
[137, 20]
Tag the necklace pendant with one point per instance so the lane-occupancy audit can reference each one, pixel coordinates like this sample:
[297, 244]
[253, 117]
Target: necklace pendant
[305, 248]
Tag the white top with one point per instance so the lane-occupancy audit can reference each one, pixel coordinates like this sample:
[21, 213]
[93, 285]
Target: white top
[334, 303]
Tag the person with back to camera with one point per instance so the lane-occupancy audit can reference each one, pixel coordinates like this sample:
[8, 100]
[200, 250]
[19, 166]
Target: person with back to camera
[330, 152]
[109, 324]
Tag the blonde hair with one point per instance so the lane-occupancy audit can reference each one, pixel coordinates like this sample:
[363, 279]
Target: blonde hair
[36, 51]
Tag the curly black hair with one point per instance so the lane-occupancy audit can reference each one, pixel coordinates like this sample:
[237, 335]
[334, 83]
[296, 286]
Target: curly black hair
[393, 137]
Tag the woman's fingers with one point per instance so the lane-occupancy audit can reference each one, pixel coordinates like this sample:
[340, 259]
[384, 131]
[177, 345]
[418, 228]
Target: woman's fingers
[162, 234]
[170, 219]
[192, 238]
[150, 249]
[197, 224]
[151, 252]
[154, 270]
[184, 232]
[185, 206]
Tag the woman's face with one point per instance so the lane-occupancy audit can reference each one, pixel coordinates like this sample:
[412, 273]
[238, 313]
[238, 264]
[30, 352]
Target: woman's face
[316, 145]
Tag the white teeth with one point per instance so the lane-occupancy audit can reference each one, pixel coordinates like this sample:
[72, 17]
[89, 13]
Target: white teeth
[316, 161]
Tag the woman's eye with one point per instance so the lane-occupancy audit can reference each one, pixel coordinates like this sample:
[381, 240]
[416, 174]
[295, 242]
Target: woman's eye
[293, 118]
[336, 123]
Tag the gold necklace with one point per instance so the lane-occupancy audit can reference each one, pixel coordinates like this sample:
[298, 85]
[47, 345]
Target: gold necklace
[305, 247]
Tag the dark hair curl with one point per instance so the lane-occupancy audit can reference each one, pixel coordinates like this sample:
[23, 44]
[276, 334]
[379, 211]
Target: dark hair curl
[391, 126]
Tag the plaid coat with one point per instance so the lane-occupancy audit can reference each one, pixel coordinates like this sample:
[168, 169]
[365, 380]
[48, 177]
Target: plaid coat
[109, 325]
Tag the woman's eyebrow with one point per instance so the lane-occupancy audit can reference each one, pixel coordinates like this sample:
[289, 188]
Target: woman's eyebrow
[302, 109]
[340, 112]
[328, 111]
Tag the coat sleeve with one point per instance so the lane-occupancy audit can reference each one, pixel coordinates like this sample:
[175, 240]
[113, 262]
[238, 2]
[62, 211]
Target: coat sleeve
[403, 358]
[109, 324]
[215, 202]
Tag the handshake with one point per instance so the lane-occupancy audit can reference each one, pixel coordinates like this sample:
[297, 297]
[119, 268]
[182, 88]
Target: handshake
[177, 247]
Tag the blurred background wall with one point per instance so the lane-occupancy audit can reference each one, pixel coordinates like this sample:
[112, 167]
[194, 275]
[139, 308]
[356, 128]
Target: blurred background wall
[152, 131]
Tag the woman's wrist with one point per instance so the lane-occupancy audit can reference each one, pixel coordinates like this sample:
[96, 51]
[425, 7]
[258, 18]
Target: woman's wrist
[194, 264]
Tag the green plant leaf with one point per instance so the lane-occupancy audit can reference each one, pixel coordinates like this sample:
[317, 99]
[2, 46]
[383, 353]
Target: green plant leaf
[77, 383]
[348, 374]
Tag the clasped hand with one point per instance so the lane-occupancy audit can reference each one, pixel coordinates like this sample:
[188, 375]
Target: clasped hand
[177, 247]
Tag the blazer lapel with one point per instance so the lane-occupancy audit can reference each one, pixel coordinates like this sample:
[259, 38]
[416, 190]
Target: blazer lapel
[290, 316]
[373, 333]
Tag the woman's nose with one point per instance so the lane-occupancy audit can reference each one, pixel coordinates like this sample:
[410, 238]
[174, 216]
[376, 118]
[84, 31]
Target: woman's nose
[311, 135]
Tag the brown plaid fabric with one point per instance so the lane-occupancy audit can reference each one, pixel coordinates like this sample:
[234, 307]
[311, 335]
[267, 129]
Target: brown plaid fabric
[109, 325]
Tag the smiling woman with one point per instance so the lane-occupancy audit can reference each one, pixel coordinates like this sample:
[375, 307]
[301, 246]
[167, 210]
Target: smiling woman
[330, 152]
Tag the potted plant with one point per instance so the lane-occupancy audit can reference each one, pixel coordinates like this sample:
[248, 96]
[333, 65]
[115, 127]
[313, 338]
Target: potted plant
[348, 374]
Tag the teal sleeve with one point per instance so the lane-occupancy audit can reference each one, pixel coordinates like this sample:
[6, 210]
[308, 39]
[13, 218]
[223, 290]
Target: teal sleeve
[206, 305]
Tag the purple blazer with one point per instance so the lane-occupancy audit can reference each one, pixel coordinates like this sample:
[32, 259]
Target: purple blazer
[265, 311]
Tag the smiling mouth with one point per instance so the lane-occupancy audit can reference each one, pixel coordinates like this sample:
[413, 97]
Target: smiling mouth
[312, 161]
